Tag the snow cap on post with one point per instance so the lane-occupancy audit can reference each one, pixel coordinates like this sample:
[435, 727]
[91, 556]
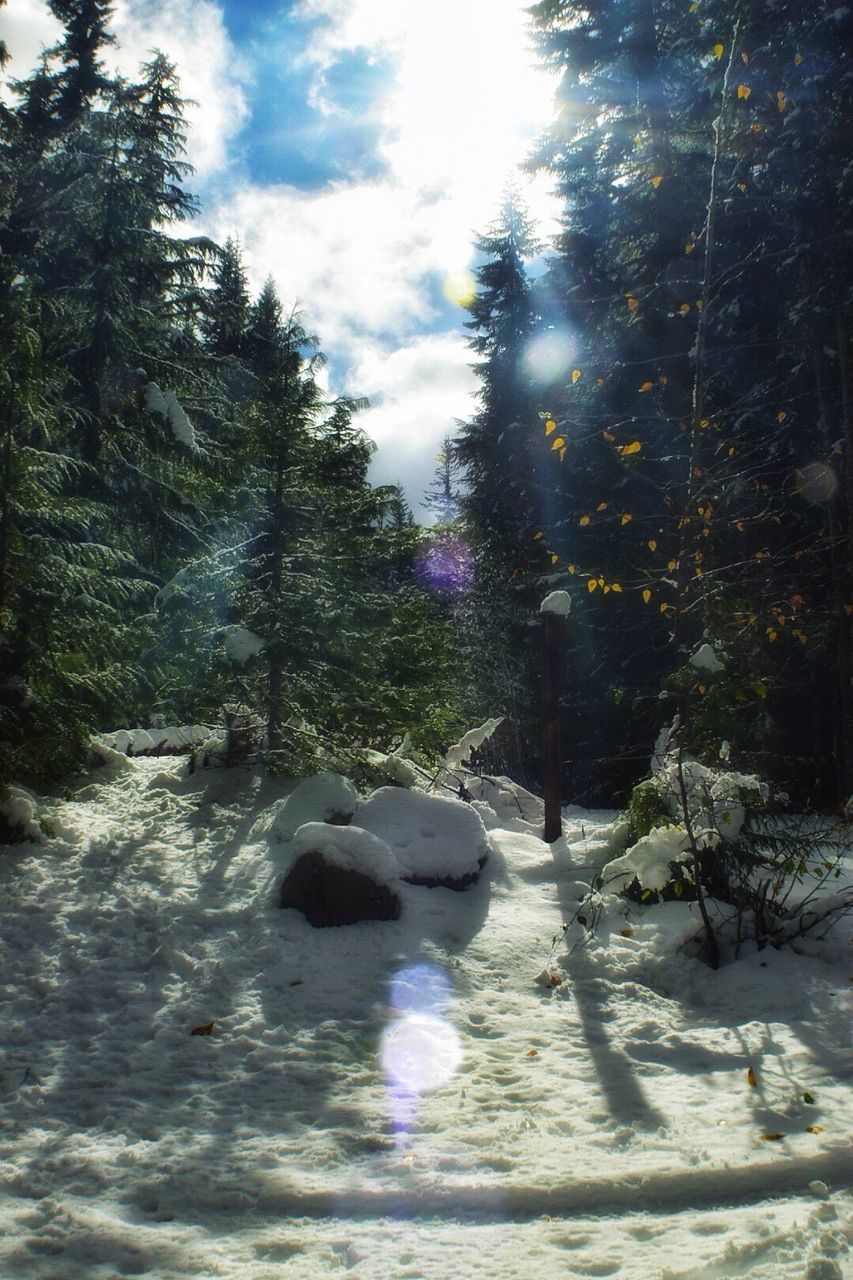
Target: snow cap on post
[559, 602]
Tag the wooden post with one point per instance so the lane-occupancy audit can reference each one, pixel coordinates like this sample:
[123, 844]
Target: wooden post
[552, 635]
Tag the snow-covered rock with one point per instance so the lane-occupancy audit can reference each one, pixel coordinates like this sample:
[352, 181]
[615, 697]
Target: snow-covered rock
[351, 848]
[341, 876]
[436, 839]
[326, 797]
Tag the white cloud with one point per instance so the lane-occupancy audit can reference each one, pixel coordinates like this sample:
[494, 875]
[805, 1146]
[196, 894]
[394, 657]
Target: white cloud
[27, 26]
[418, 391]
[189, 32]
[192, 34]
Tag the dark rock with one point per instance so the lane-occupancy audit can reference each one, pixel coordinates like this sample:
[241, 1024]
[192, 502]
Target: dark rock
[331, 895]
[447, 882]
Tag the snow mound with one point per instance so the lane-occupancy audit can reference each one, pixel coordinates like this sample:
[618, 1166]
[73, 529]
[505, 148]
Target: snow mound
[433, 837]
[349, 848]
[323, 798]
[18, 809]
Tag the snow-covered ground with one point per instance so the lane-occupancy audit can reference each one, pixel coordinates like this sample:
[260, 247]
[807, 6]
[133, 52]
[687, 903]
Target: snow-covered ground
[401, 1099]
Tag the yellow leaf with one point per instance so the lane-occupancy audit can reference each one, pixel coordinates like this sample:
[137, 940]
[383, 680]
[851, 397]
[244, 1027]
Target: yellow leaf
[631, 301]
[698, 304]
[742, 186]
[663, 379]
[627, 518]
[781, 100]
[772, 1137]
[743, 91]
[554, 557]
[693, 7]
[647, 386]
[719, 50]
[771, 634]
[815, 1128]
[700, 688]
[627, 449]
[752, 1078]
[672, 565]
[562, 453]
[602, 506]
[664, 607]
[571, 568]
[558, 443]
[592, 585]
[606, 589]
[647, 595]
[608, 435]
[533, 1053]
[616, 586]
[731, 451]
[550, 426]
[584, 520]
[781, 415]
[684, 308]
[757, 128]
[599, 382]
[576, 373]
[798, 57]
[689, 247]
[657, 180]
[601, 582]
[652, 544]
[537, 535]
[745, 57]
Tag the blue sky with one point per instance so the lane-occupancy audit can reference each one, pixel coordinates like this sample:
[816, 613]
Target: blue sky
[356, 147]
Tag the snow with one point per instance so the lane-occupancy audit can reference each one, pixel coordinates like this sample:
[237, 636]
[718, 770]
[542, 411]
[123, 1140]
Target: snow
[172, 738]
[648, 860]
[18, 808]
[705, 659]
[242, 644]
[460, 752]
[433, 837]
[402, 1099]
[318, 799]
[167, 406]
[349, 848]
[559, 602]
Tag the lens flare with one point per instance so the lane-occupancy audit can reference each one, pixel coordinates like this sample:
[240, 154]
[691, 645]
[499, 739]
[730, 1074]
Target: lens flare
[460, 288]
[547, 357]
[445, 563]
[817, 482]
[421, 1050]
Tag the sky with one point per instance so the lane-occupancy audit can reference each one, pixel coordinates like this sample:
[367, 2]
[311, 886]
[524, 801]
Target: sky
[356, 148]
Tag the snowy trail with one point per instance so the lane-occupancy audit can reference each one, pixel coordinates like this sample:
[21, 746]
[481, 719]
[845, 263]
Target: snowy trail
[601, 1128]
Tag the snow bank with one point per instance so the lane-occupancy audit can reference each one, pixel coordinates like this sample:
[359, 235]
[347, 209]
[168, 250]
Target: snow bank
[350, 848]
[173, 739]
[324, 798]
[433, 837]
[508, 800]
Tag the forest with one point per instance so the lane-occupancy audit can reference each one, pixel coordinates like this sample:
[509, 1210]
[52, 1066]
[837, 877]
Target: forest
[177, 486]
